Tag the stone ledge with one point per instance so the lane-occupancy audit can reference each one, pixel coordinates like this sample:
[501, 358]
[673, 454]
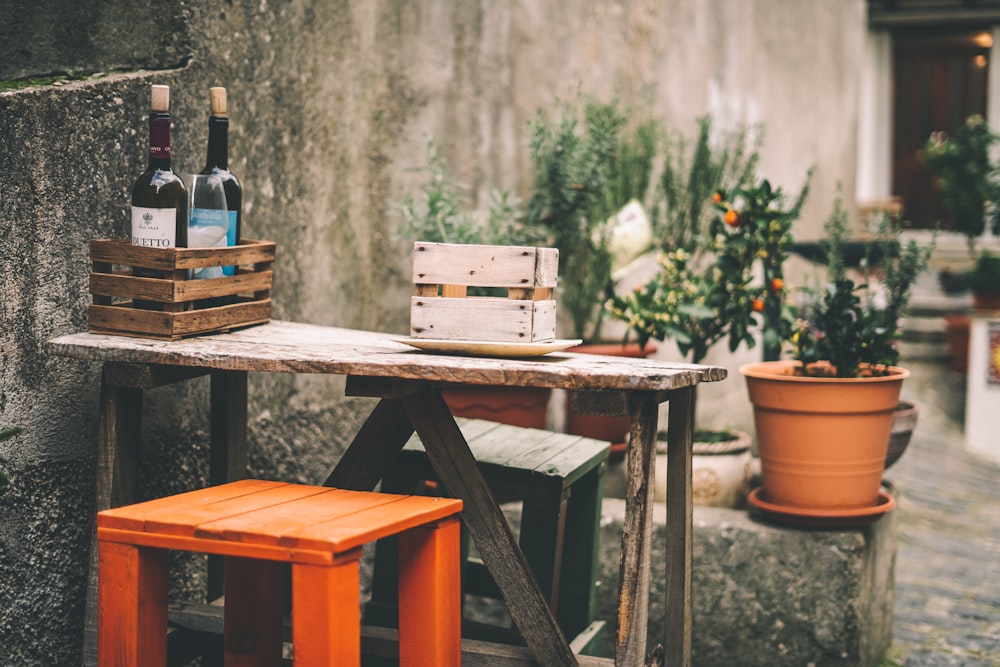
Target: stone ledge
[767, 595]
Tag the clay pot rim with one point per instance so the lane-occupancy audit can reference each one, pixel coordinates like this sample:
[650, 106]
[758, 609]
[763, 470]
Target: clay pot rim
[741, 442]
[787, 371]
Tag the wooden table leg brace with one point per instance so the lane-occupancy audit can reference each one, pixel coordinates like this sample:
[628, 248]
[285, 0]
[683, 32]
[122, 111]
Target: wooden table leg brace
[419, 406]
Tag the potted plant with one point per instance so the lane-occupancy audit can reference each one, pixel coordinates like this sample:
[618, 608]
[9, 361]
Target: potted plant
[692, 176]
[589, 163]
[697, 300]
[441, 213]
[676, 201]
[593, 164]
[823, 420]
[682, 303]
[966, 176]
[904, 421]
[984, 281]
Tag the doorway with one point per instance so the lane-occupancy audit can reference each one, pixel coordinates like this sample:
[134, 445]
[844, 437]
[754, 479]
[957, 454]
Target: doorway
[939, 78]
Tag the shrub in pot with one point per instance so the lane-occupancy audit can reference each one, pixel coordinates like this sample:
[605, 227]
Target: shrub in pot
[593, 164]
[590, 160]
[700, 297]
[984, 281]
[823, 421]
[966, 175]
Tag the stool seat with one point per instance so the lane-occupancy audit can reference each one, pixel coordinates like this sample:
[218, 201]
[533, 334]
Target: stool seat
[259, 525]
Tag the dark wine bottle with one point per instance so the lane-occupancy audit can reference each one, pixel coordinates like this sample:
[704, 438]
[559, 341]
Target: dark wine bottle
[217, 165]
[159, 198]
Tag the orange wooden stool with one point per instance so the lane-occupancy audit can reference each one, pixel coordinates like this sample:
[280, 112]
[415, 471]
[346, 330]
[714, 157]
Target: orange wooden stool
[258, 525]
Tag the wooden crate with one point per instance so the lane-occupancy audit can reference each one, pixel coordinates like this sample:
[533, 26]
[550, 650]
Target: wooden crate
[171, 305]
[442, 309]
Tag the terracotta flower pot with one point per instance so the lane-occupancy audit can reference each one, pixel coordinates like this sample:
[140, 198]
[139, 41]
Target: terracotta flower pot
[822, 441]
[957, 329]
[986, 300]
[904, 420]
[517, 406]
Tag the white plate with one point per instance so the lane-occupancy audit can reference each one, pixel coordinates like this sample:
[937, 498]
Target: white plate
[488, 348]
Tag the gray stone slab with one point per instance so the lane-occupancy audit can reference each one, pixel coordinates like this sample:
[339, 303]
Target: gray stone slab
[770, 595]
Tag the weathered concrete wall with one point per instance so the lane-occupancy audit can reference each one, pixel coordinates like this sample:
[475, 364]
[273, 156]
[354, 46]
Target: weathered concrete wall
[47, 36]
[330, 103]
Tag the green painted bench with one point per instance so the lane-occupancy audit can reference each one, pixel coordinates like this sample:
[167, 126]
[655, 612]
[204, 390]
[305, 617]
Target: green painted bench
[559, 480]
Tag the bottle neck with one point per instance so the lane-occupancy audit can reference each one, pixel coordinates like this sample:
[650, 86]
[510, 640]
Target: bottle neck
[159, 141]
[218, 143]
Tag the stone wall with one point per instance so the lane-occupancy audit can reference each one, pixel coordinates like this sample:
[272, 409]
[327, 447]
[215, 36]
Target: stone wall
[766, 595]
[331, 104]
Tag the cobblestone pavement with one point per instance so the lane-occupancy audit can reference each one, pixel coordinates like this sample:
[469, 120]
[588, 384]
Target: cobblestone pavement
[947, 605]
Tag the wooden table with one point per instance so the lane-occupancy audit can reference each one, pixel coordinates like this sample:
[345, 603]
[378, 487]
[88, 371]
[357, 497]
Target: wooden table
[409, 384]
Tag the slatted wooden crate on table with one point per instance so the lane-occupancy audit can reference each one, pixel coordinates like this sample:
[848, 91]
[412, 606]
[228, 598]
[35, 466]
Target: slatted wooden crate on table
[442, 309]
[172, 306]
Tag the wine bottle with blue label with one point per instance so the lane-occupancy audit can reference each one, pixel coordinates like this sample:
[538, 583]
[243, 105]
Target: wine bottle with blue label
[212, 225]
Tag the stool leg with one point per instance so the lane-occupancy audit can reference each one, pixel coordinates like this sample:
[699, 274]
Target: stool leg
[132, 606]
[577, 606]
[430, 591]
[326, 614]
[253, 617]
[543, 529]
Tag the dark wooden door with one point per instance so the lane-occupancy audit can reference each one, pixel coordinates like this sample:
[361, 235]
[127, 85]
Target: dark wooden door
[939, 79]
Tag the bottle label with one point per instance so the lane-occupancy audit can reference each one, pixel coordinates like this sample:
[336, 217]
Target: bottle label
[210, 228]
[154, 227]
[230, 241]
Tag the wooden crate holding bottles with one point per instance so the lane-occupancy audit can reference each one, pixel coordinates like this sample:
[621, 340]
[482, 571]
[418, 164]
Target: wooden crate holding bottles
[163, 302]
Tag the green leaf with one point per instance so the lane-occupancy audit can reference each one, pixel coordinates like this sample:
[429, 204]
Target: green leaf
[9, 432]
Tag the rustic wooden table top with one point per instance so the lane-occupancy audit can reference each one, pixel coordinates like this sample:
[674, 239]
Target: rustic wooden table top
[292, 347]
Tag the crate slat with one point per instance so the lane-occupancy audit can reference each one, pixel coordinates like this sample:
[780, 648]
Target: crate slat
[122, 252]
[482, 318]
[484, 265]
[127, 321]
[126, 286]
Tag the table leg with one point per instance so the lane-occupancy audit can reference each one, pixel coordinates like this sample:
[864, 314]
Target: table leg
[228, 451]
[228, 427]
[456, 467]
[637, 536]
[118, 443]
[117, 469]
[680, 506]
[373, 449]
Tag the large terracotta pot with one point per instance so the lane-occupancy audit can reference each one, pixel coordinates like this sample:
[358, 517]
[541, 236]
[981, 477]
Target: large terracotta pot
[986, 300]
[957, 330]
[517, 406]
[904, 420]
[601, 427]
[822, 441]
